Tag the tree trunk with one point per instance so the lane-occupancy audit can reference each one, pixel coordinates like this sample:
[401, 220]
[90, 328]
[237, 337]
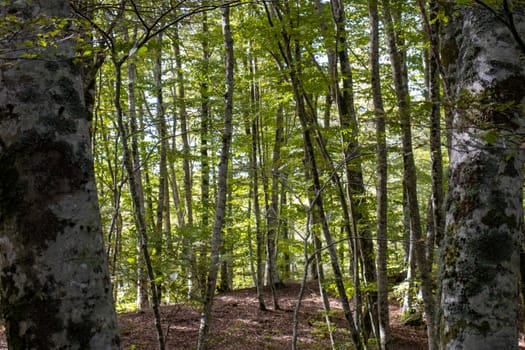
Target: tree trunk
[220, 206]
[291, 53]
[259, 235]
[436, 156]
[353, 170]
[273, 210]
[183, 115]
[484, 220]
[162, 197]
[381, 188]
[142, 278]
[205, 138]
[56, 291]
[409, 170]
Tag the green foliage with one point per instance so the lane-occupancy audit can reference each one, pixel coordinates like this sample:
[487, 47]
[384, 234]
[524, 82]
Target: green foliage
[412, 318]
[262, 89]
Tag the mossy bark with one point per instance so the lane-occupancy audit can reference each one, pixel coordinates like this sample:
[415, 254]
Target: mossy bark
[56, 292]
[484, 220]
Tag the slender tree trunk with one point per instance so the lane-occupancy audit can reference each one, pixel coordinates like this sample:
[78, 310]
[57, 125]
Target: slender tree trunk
[259, 235]
[138, 205]
[56, 292]
[346, 204]
[318, 202]
[190, 265]
[381, 188]
[273, 210]
[307, 261]
[183, 115]
[484, 220]
[285, 236]
[162, 197]
[436, 158]
[220, 206]
[353, 171]
[409, 171]
[322, 292]
[291, 53]
[142, 289]
[205, 144]
[226, 251]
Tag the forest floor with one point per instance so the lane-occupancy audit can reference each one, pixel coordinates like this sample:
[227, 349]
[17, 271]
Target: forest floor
[238, 324]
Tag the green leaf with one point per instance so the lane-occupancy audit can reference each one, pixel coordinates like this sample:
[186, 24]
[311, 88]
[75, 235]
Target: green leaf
[490, 136]
[142, 50]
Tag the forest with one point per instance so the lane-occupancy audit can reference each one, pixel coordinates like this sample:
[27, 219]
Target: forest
[161, 153]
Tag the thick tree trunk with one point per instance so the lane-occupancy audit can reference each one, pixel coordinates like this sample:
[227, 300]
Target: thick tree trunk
[484, 220]
[56, 291]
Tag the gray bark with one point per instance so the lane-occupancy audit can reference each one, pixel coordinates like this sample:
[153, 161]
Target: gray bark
[56, 291]
[138, 207]
[220, 206]
[142, 285]
[259, 234]
[273, 216]
[385, 337]
[356, 191]
[205, 145]
[484, 219]
[399, 74]
[183, 115]
[163, 192]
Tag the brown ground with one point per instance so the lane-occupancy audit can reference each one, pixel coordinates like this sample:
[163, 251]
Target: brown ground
[239, 325]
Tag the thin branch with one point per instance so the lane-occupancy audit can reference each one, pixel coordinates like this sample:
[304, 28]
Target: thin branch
[512, 26]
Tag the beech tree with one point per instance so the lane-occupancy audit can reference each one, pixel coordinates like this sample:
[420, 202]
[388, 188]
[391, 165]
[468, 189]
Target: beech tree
[484, 220]
[220, 206]
[56, 291]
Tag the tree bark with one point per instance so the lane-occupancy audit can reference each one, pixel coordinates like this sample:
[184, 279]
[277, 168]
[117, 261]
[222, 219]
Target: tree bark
[183, 116]
[484, 220]
[273, 209]
[259, 235]
[56, 291]
[142, 284]
[344, 99]
[385, 337]
[163, 193]
[399, 75]
[205, 139]
[220, 206]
